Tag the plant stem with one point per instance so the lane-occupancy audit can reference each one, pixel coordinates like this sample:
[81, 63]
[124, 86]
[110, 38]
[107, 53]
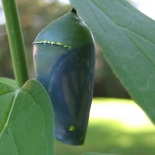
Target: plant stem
[16, 41]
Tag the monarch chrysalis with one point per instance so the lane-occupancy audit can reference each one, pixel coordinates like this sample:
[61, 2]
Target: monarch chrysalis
[64, 58]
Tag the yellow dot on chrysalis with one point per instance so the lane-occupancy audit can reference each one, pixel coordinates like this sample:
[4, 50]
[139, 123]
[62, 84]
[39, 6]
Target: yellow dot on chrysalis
[71, 128]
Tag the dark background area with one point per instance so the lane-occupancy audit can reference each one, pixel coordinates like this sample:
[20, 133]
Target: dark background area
[34, 16]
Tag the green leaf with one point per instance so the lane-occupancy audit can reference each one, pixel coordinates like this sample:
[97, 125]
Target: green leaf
[8, 81]
[26, 120]
[94, 153]
[127, 40]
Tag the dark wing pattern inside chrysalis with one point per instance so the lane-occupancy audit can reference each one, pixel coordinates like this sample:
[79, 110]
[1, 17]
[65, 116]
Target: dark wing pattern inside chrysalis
[70, 87]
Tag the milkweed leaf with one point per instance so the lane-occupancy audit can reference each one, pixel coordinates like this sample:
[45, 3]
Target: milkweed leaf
[26, 120]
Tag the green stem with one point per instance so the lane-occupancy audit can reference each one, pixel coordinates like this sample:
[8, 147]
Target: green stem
[16, 41]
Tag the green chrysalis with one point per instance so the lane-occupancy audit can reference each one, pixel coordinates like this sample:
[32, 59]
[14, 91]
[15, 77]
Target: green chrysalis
[64, 59]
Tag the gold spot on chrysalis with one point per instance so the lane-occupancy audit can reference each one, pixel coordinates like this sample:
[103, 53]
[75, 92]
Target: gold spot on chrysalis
[71, 128]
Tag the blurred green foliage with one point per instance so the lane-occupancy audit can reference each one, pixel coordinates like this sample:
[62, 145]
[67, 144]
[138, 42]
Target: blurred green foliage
[111, 135]
[34, 16]
[110, 138]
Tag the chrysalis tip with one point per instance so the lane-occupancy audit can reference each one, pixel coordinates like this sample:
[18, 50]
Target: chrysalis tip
[74, 11]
